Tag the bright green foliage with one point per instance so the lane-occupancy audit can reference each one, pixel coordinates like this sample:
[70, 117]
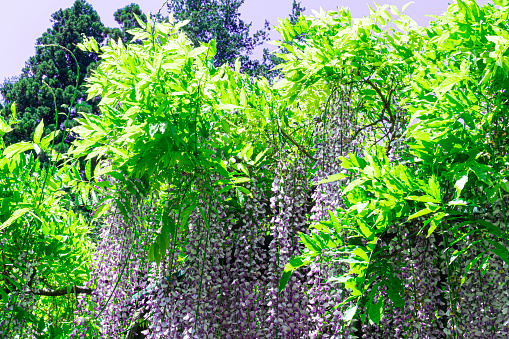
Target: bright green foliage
[165, 104]
[143, 128]
[170, 117]
[166, 115]
[41, 233]
[456, 128]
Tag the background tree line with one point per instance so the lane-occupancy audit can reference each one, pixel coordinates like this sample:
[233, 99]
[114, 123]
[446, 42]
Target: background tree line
[46, 83]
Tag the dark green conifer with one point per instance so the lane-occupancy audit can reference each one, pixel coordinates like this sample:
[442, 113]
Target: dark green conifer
[52, 70]
[126, 20]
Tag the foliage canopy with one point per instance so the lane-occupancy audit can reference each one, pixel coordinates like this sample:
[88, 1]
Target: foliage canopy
[398, 138]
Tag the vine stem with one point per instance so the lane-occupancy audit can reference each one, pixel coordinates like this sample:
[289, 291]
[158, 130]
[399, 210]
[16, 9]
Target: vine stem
[297, 145]
[120, 275]
[446, 245]
[201, 280]
[413, 276]
[207, 225]
[503, 208]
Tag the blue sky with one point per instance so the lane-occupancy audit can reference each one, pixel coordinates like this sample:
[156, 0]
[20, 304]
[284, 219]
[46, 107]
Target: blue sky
[24, 21]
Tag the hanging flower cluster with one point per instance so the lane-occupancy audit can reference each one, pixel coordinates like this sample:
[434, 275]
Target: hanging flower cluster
[219, 278]
[336, 137]
[288, 313]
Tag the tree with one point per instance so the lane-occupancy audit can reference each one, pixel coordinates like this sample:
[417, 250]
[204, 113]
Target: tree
[220, 20]
[126, 19]
[48, 78]
[270, 60]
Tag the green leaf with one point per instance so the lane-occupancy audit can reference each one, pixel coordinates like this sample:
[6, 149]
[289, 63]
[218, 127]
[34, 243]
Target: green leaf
[470, 265]
[500, 250]
[360, 252]
[226, 126]
[197, 51]
[241, 180]
[360, 206]
[167, 233]
[319, 240]
[375, 310]
[349, 314]
[12, 150]
[123, 210]
[142, 24]
[5, 297]
[435, 187]
[15, 216]
[88, 170]
[260, 156]
[285, 277]
[181, 24]
[309, 243]
[227, 107]
[13, 111]
[243, 168]
[204, 217]
[340, 280]
[353, 184]
[226, 189]
[4, 127]
[184, 217]
[419, 214]
[484, 265]
[482, 172]
[220, 166]
[101, 210]
[423, 198]
[85, 190]
[457, 203]
[406, 5]
[495, 230]
[505, 185]
[397, 300]
[14, 282]
[435, 221]
[296, 263]
[331, 178]
[366, 230]
[101, 171]
[245, 191]
[154, 253]
[38, 132]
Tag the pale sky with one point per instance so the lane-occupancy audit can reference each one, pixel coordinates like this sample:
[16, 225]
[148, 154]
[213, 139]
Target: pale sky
[24, 21]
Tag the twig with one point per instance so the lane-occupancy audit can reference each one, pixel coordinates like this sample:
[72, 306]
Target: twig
[386, 104]
[366, 126]
[296, 144]
[63, 291]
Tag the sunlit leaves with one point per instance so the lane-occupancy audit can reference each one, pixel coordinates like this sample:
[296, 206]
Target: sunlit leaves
[419, 213]
[461, 183]
[18, 148]
[291, 266]
[166, 110]
[15, 216]
[38, 132]
[331, 178]
[350, 313]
